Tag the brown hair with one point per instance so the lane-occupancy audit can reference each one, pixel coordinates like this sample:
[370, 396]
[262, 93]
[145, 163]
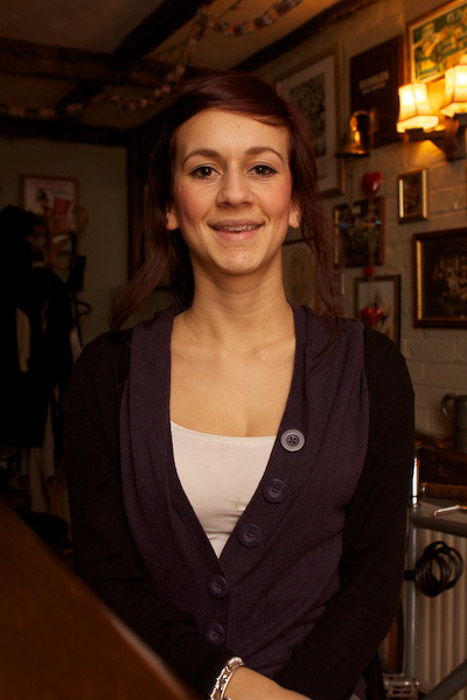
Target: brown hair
[248, 95]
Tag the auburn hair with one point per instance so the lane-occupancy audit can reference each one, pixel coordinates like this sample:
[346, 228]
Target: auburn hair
[248, 95]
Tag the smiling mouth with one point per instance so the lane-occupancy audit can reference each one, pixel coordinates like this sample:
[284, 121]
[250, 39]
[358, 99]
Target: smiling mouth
[235, 227]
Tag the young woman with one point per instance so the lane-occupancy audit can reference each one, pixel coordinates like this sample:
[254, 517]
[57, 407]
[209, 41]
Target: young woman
[238, 467]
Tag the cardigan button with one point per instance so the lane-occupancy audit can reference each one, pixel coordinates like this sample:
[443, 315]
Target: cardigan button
[215, 633]
[292, 440]
[218, 586]
[275, 490]
[250, 535]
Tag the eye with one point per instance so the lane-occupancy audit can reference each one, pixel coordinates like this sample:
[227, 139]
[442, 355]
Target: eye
[263, 170]
[202, 172]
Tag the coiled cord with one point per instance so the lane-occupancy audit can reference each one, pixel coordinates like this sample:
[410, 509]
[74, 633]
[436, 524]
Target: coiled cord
[438, 569]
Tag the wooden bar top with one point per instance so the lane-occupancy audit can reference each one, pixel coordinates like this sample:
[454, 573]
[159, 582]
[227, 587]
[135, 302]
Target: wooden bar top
[58, 641]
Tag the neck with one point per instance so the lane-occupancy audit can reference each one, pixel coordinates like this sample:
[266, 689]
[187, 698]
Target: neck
[240, 312]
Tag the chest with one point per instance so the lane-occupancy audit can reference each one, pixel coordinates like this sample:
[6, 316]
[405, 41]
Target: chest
[226, 394]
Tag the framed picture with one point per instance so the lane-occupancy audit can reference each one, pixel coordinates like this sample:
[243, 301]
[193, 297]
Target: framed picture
[313, 88]
[436, 41]
[412, 196]
[375, 76]
[441, 278]
[297, 260]
[53, 198]
[360, 232]
[377, 303]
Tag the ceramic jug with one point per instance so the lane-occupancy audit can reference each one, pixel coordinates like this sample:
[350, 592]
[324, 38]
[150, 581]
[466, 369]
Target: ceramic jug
[454, 408]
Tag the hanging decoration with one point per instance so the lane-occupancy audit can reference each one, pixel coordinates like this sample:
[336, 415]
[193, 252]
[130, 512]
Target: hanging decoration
[255, 25]
[204, 20]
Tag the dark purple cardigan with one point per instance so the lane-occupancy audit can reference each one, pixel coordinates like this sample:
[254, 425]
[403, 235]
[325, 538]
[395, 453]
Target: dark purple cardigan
[329, 405]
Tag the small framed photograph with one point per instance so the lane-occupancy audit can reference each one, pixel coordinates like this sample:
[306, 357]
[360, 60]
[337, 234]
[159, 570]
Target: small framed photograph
[298, 267]
[377, 304]
[436, 41]
[313, 88]
[412, 196]
[360, 232]
[441, 278]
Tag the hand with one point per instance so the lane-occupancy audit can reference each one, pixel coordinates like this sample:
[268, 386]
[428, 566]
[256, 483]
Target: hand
[246, 684]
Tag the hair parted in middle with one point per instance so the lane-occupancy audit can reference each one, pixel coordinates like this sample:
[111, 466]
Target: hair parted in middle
[250, 96]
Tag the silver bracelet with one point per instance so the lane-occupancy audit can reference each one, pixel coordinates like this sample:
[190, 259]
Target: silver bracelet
[224, 677]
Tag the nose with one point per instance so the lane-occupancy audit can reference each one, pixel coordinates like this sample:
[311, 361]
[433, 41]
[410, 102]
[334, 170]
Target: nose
[234, 189]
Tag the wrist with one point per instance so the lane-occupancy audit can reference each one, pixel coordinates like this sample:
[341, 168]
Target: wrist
[222, 680]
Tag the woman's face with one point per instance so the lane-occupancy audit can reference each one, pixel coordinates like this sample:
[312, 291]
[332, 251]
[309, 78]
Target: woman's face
[232, 192]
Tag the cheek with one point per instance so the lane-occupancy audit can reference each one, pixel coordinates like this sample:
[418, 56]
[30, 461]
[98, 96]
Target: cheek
[280, 203]
[189, 205]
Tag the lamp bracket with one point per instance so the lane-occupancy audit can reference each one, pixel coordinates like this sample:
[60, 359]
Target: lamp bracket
[450, 140]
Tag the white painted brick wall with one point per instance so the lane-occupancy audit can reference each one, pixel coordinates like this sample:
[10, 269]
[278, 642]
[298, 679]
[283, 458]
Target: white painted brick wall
[437, 357]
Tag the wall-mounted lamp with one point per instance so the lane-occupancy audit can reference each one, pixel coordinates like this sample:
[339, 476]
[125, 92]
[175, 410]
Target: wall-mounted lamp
[418, 122]
[415, 110]
[455, 90]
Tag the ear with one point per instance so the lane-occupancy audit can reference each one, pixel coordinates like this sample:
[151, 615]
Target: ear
[171, 218]
[295, 215]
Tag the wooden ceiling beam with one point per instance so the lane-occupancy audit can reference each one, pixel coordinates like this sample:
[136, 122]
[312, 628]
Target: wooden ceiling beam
[38, 60]
[156, 28]
[62, 130]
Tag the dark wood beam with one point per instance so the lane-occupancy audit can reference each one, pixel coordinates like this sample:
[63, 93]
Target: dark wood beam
[316, 25]
[152, 31]
[62, 130]
[83, 92]
[27, 58]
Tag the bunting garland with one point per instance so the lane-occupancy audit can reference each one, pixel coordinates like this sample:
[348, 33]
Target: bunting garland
[204, 20]
[255, 25]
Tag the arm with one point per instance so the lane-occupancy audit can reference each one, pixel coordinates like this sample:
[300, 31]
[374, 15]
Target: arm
[331, 659]
[105, 555]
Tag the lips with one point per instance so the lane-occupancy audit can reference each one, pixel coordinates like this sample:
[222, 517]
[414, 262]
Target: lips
[235, 226]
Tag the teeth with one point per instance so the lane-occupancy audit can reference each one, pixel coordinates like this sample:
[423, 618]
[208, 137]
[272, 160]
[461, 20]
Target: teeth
[236, 229]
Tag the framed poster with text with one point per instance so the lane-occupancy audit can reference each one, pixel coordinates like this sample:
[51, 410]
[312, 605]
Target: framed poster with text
[375, 76]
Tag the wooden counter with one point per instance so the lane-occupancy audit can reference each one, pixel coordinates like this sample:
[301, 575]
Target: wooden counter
[58, 641]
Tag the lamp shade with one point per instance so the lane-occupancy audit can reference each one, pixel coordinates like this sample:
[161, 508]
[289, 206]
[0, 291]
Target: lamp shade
[455, 91]
[414, 108]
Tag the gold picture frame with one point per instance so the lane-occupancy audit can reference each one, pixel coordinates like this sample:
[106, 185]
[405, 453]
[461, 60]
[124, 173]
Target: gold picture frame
[440, 261]
[412, 201]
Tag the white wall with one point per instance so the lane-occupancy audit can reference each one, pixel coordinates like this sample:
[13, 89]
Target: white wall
[437, 358]
[101, 171]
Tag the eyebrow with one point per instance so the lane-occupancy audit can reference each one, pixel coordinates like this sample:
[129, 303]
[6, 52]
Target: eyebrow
[253, 151]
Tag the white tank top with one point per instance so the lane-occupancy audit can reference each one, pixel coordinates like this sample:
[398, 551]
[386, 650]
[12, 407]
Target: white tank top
[219, 474]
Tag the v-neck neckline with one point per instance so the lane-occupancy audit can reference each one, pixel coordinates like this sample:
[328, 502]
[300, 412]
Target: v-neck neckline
[183, 504]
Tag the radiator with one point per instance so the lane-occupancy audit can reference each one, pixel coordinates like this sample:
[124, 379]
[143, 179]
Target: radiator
[443, 621]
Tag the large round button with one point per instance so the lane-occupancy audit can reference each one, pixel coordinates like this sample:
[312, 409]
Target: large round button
[292, 440]
[218, 586]
[215, 633]
[250, 535]
[275, 490]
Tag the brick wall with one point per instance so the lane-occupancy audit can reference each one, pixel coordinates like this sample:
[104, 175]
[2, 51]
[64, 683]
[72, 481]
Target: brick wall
[437, 358]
